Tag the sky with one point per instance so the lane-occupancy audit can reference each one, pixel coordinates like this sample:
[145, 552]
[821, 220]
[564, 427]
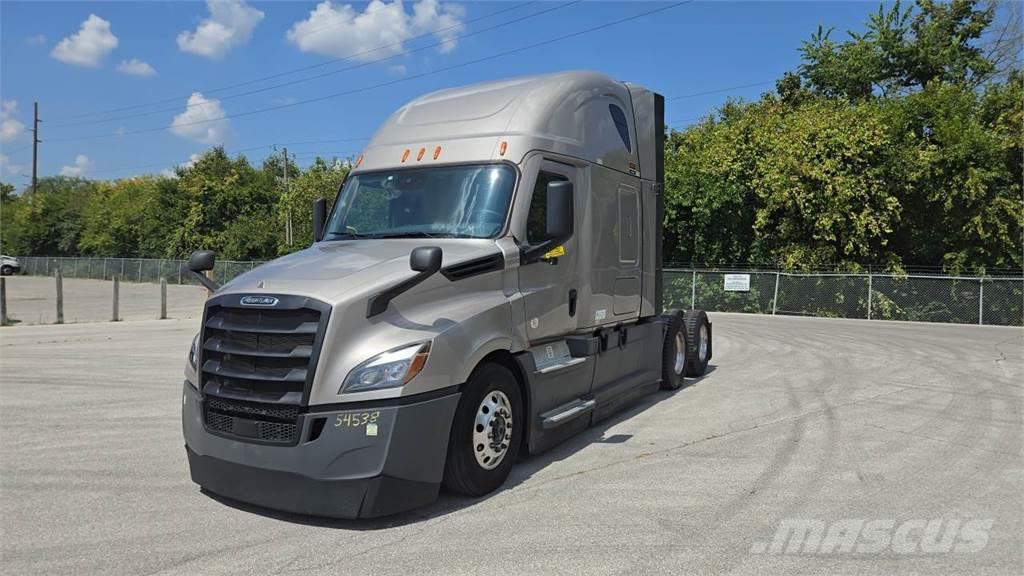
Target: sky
[128, 88]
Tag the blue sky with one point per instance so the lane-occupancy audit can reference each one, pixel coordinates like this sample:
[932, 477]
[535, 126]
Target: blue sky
[147, 61]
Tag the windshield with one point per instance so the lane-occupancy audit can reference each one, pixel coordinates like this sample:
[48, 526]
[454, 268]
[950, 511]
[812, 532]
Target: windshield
[442, 202]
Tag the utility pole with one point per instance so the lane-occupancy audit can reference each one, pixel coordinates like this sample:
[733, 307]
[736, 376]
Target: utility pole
[288, 202]
[35, 143]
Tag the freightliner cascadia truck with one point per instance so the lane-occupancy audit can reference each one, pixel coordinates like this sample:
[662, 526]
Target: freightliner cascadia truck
[487, 284]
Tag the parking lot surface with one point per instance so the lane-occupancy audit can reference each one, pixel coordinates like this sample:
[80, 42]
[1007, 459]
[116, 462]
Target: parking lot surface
[799, 421]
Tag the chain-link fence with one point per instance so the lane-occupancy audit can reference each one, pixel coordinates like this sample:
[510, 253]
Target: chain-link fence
[129, 269]
[917, 297]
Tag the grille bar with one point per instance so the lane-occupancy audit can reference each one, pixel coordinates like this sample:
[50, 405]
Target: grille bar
[217, 344]
[222, 324]
[293, 375]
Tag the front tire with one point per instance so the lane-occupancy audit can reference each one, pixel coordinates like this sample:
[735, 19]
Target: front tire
[6, 271]
[486, 433]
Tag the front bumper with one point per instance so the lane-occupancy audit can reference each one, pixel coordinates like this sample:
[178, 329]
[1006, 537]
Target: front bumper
[344, 471]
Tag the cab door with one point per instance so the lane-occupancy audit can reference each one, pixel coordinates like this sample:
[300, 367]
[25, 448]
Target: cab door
[549, 286]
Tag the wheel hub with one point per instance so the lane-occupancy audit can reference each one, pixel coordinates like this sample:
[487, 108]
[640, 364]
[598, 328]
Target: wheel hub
[492, 430]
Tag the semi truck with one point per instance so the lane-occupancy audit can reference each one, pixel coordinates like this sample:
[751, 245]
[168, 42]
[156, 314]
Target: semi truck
[487, 284]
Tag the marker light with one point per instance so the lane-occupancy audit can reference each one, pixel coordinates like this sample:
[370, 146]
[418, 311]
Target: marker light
[437, 152]
[503, 148]
[405, 155]
[387, 370]
[419, 156]
[359, 160]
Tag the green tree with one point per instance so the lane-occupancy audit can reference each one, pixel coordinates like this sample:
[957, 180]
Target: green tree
[321, 180]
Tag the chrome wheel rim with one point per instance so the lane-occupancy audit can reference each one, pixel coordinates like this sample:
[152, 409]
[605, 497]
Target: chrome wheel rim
[680, 363]
[703, 352]
[492, 430]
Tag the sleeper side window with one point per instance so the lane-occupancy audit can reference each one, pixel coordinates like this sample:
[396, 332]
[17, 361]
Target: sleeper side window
[619, 118]
[537, 219]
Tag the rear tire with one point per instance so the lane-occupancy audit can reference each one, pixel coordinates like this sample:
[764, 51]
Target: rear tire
[698, 339]
[488, 427]
[674, 359]
[6, 271]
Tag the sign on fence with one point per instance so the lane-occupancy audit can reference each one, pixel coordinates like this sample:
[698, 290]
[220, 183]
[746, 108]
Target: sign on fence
[737, 283]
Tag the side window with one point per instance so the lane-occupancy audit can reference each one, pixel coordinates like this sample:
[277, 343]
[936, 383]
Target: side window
[619, 117]
[537, 219]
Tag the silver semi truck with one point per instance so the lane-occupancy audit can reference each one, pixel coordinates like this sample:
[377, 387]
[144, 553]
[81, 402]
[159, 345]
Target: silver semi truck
[487, 284]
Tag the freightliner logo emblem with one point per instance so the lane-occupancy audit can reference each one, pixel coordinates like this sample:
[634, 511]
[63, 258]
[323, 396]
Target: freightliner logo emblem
[259, 301]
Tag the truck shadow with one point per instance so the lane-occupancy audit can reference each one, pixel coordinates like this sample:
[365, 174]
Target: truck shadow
[524, 469]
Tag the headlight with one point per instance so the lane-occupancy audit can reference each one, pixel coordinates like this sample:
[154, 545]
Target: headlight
[193, 354]
[388, 370]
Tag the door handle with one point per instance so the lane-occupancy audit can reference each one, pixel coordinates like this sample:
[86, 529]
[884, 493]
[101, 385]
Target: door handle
[572, 303]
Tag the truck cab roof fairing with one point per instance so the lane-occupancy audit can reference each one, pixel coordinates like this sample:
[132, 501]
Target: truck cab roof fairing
[569, 113]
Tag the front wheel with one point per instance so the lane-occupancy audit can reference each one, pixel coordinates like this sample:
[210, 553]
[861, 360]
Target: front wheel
[486, 433]
[6, 271]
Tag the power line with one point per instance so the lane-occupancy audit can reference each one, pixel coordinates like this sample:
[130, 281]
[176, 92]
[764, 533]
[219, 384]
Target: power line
[268, 147]
[317, 76]
[392, 82]
[720, 90]
[302, 68]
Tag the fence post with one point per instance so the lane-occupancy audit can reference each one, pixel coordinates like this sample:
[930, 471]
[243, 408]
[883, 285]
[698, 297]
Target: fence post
[981, 301]
[870, 292]
[60, 295]
[140, 271]
[163, 298]
[775, 297]
[179, 270]
[117, 294]
[122, 266]
[3, 301]
[693, 291]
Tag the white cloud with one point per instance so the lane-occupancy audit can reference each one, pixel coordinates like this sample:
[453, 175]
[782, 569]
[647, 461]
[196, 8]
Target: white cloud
[173, 172]
[136, 67]
[230, 24]
[6, 167]
[10, 127]
[340, 30]
[89, 45]
[79, 168]
[203, 120]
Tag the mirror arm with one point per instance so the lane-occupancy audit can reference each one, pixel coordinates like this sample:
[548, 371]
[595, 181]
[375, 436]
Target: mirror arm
[530, 253]
[378, 303]
[209, 284]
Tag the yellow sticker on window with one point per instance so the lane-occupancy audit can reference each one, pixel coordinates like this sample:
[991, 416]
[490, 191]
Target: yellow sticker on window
[556, 252]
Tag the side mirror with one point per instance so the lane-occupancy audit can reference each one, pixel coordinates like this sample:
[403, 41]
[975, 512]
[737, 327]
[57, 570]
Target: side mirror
[319, 218]
[560, 211]
[425, 259]
[202, 260]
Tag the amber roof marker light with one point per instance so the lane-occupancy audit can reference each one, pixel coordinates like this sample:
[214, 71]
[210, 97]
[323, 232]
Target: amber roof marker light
[503, 148]
[437, 152]
[419, 155]
[405, 155]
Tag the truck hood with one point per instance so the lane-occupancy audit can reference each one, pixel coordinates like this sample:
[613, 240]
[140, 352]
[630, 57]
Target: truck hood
[341, 270]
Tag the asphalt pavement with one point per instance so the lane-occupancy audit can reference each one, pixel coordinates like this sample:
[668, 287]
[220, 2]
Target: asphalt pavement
[804, 431]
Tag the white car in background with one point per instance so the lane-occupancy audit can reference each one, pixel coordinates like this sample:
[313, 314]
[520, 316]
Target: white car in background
[9, 265]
